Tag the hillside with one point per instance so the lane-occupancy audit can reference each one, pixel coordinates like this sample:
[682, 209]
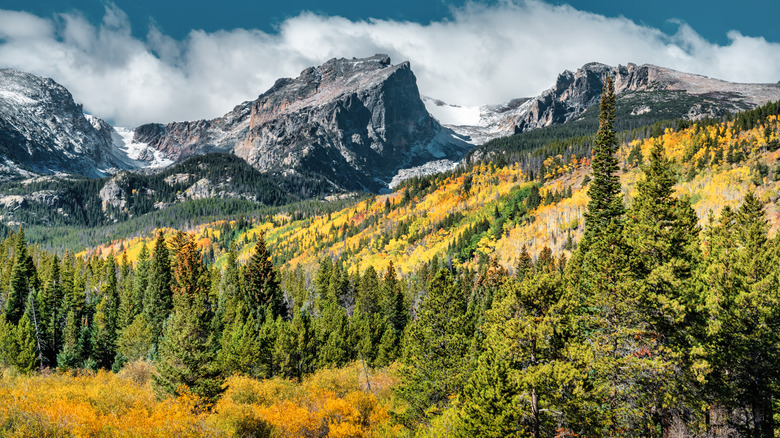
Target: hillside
[470, 215]
[450, 285]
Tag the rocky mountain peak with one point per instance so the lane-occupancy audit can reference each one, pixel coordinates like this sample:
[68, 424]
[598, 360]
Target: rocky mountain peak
[43, 130]
[356, 122]
[574, 92]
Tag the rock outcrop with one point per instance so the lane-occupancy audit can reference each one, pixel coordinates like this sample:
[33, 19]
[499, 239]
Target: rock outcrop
[353, 122]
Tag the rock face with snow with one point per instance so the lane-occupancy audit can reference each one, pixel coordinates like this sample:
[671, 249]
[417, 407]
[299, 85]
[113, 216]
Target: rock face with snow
[43, 131]
[354, 122]
[574, 92]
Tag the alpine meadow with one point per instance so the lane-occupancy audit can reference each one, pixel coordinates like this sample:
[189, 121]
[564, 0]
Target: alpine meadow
[343, 256]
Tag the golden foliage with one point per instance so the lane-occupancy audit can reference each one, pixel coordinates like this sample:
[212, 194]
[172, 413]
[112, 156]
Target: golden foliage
[332, 403]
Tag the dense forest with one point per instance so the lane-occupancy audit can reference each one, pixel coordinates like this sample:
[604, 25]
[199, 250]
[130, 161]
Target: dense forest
[652, 326]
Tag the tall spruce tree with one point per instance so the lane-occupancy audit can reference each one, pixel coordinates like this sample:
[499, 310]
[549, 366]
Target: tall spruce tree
[187, 353]
[262, 289]
[663, 233]
[605, 208]
[21, 275]
[741, 294]
[434, 364]
[605, 298]
[158, 300]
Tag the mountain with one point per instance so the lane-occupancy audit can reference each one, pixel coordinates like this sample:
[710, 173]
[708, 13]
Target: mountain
[43, 131]
[355, 122]
[91, 202]
[649, 93]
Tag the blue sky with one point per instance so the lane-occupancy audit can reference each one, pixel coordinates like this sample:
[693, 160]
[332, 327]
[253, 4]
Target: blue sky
[710, 18]
[132, 62]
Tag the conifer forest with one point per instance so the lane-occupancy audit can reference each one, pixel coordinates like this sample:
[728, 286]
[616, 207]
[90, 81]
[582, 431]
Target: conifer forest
[625, 284]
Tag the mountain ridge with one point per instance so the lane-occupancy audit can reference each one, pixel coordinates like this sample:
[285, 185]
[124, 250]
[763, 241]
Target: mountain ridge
[575, 91]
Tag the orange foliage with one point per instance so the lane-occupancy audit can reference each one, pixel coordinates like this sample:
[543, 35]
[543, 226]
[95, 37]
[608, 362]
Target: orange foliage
[330, 403]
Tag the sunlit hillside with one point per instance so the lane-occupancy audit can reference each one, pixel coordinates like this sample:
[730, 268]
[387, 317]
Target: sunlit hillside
[487, 211]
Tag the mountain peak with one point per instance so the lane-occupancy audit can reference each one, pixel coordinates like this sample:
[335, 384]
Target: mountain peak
[43, 130]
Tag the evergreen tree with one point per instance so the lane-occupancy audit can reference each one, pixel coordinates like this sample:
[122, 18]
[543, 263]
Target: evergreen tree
[25, 351]
[434, 363]
[332, 336]
[490, 397]
[240, 352]
[605, 297]
[663, 234]
[262, 289]
[20, 280]
[525, 265]
[741, 292]
[135, 340]
[305, 346]
[50, 312]
[605, 207]
[187, 353]
[230, 287]
[158, 300]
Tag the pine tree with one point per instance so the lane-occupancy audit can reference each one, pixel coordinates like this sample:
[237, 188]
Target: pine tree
[187, 350]
[490, 397]
[135, 340]
[305, 346]
[662, 232]
[158, 300]
[332, 336]
[605, 296]
[50, 312]
[190, 277]
[240, 352]
[741, 292]
[140, 281]
[434, 363]
[230, 287]
[25, 348]
[20, 280]
[262, 289]
[605, 207]
[525, 265]
[186, 355]
[285, 353]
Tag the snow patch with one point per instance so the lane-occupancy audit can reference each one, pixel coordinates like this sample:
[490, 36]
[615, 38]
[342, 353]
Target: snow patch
[123, 140]
[428, 168]
[453, 114]
[16, 98]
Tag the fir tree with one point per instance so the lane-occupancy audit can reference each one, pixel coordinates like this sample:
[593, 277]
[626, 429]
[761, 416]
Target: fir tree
[490, 397]
[25, 351]
[140, 281]
[158, 300]
[187, 353]
[262, 289]
[741, 297]
[434, 364]
[605, 207]
[20, 280]
[305, 343]
[525, 265]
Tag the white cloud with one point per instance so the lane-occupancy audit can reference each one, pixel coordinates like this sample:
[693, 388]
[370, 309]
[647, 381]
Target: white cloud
[483, 54]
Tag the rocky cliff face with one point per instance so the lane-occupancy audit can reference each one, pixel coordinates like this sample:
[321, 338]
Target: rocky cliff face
[43, 131]
[355, 122]
[574, 92]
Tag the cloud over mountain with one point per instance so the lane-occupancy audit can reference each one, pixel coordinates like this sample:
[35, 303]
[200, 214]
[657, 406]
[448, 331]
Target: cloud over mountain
[484, 54]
